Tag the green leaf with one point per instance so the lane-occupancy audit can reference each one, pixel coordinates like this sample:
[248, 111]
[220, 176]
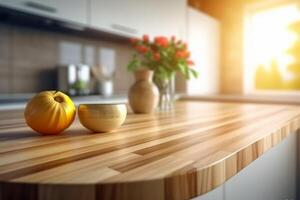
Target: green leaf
[164, 53]
[181, 68]
[133, 65]
[162, 73]
[194, 73]
[187, 73]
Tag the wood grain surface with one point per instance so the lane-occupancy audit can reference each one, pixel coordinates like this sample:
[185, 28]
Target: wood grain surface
[284, 98]
[176, 155]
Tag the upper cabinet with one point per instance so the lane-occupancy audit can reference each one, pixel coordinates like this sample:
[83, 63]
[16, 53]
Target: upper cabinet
[167, 17]
[203, 33]
[136, 17]
[117, 16]
[130, 18]
[67, 10]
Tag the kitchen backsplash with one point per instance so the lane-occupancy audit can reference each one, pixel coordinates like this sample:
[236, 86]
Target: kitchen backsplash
[29, 58]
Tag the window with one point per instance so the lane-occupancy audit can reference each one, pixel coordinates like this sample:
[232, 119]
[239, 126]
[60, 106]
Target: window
[270, 49]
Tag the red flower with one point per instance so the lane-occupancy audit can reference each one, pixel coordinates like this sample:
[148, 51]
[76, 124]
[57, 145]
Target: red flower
[146, 38]
[156, 56]
[142, 49]
[161, 41]
[190, 63]
[182, 54]
[134, 40]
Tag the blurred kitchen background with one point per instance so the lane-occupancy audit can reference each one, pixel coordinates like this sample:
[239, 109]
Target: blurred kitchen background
[240, 47]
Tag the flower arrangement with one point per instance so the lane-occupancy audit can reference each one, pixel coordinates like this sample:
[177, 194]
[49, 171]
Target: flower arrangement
[164, 56]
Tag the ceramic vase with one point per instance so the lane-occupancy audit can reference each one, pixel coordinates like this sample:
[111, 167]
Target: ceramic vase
[143, 95]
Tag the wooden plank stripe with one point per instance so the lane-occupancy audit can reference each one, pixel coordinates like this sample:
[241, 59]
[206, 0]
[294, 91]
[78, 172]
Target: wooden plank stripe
[176, 155]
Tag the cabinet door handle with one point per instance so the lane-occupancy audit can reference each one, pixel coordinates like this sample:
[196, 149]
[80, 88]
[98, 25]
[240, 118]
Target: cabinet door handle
[124, 28]
[40, 7]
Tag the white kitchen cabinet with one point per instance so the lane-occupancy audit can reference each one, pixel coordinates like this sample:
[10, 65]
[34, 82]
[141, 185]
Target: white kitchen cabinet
[272, 176]
[117, 16]
[122, 17]
[216, 194]
[136, 17]
[67, 10]
[167, 18]
[203, 36]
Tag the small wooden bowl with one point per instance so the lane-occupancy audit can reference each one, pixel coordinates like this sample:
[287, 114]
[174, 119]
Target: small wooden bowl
[102, 117]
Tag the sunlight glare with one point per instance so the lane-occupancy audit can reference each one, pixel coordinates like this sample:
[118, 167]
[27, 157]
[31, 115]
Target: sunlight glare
[267, 39]
[270, 36]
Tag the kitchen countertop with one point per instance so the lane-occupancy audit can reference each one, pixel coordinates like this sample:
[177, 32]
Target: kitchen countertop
[176, 155]
[264, 98]
[18, 101]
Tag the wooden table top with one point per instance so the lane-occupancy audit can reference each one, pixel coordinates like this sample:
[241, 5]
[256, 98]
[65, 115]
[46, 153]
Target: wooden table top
[275, 98]
[176, 155]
